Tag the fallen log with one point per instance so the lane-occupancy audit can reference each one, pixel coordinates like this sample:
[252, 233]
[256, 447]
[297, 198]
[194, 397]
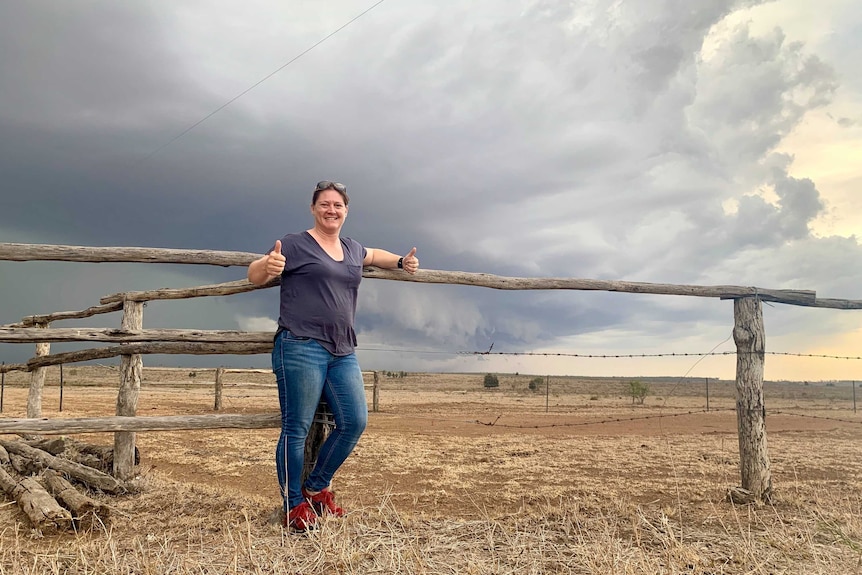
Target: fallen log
[85, 510]
[89, 460]
[24, 466]
[103, 456]
[54, 445]
[4, 455]
[91, 477]
[99, 457]
[41, 509]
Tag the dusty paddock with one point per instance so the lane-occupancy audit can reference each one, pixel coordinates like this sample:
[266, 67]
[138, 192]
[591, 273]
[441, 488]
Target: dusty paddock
[592, 485]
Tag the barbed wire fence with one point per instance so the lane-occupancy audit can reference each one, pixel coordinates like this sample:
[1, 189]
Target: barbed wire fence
[678, 381]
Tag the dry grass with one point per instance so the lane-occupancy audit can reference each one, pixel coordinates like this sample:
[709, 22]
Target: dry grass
[174, 528]
[430, 491]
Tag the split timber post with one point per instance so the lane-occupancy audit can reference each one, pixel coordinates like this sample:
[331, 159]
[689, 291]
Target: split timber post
[375, 394]
[37, 379]
[131, 367]
[219, 385]
[750, 338]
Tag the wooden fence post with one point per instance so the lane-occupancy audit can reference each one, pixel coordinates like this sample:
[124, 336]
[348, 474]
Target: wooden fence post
[37, 380]
[750, 338]
[375, 393]
[219, 384]
[62, 383]
[131, 367]
[707, 394]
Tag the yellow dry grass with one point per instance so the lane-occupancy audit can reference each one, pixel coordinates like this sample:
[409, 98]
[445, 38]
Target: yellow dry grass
[432, 491]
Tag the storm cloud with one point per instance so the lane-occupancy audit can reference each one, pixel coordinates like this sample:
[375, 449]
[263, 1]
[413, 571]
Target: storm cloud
[640, 141]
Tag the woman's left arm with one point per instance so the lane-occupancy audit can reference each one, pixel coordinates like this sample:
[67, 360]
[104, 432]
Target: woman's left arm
[390, 261]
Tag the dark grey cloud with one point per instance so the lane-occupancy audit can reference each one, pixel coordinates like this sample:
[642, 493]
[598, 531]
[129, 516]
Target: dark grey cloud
[533, 138]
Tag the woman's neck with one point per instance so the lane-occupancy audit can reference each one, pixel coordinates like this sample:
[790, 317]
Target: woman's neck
[324, 237]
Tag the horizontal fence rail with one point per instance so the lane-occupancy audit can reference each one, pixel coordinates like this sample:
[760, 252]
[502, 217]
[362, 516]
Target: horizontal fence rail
[137, 423]
[34, 320]
[70, 334]
[46, 252]
[227, 288]
[29, 252]
[172, 348]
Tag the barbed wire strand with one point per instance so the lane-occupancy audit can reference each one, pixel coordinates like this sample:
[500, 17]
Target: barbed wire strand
[594, 422]
[782, 412]
[606, 355]
[610, 420]
[637, 355]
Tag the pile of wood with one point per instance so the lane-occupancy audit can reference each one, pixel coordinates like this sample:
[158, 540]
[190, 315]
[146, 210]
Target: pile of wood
[52, 481]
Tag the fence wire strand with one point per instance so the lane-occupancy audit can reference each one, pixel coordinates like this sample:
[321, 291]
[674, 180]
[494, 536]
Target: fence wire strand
[605, 355]
[639, 355]
[596, 422]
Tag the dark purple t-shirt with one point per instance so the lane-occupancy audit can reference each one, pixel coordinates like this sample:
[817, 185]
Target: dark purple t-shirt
[318, 294]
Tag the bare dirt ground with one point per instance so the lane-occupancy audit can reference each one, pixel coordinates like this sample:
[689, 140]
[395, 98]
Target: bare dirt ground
[606, 486]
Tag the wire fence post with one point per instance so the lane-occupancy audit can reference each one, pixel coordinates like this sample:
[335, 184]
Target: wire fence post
[61, 387]
[2, 386]
[219, 386]
[707, 394]
[547, 391]
[375, 394]
[854, 397]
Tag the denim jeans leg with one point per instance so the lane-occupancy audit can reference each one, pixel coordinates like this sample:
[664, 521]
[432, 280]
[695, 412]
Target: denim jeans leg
[300, 366]
[344, 391]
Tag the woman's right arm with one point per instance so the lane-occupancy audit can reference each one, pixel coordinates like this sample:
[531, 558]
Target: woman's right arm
[267, 267]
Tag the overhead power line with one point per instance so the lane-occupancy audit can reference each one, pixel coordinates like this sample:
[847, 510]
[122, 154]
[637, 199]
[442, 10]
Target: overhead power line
[262, 80]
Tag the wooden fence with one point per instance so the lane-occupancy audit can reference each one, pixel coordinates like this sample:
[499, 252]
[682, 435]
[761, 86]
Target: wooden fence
[133, 341]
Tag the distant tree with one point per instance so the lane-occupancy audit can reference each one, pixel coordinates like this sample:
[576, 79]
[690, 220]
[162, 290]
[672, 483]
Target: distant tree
[491, 380]
[638, 390]
[536, 383]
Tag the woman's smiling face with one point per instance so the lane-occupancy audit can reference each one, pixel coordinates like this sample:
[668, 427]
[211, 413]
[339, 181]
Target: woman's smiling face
[329, 211]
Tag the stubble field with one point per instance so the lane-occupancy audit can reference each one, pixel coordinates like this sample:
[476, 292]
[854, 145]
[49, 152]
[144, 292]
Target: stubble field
[453, 478]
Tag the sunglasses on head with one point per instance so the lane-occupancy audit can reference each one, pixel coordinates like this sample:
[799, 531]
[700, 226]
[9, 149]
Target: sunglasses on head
[327, 185]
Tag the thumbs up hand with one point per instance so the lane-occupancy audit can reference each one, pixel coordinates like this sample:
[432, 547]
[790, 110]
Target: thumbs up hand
[275, 261]
[411, 262]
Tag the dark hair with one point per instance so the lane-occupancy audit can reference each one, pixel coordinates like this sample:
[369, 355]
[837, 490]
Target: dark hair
[335, 186]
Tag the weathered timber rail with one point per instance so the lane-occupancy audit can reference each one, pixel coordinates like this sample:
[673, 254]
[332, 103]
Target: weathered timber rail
[54, 335]
[137, 423]
[186, 348]
[46, 252]
[27, 252]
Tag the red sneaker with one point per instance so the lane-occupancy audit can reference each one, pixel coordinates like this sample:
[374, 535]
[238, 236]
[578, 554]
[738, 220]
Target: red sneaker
[323, 502]
[301, 518]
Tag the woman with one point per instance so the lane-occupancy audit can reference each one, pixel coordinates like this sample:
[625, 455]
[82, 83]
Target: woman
[313, 352]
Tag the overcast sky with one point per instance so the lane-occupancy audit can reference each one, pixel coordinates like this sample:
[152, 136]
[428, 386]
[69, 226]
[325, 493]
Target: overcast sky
[708, 142]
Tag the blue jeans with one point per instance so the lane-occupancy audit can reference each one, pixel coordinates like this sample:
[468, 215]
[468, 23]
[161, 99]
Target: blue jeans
[306, 372]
